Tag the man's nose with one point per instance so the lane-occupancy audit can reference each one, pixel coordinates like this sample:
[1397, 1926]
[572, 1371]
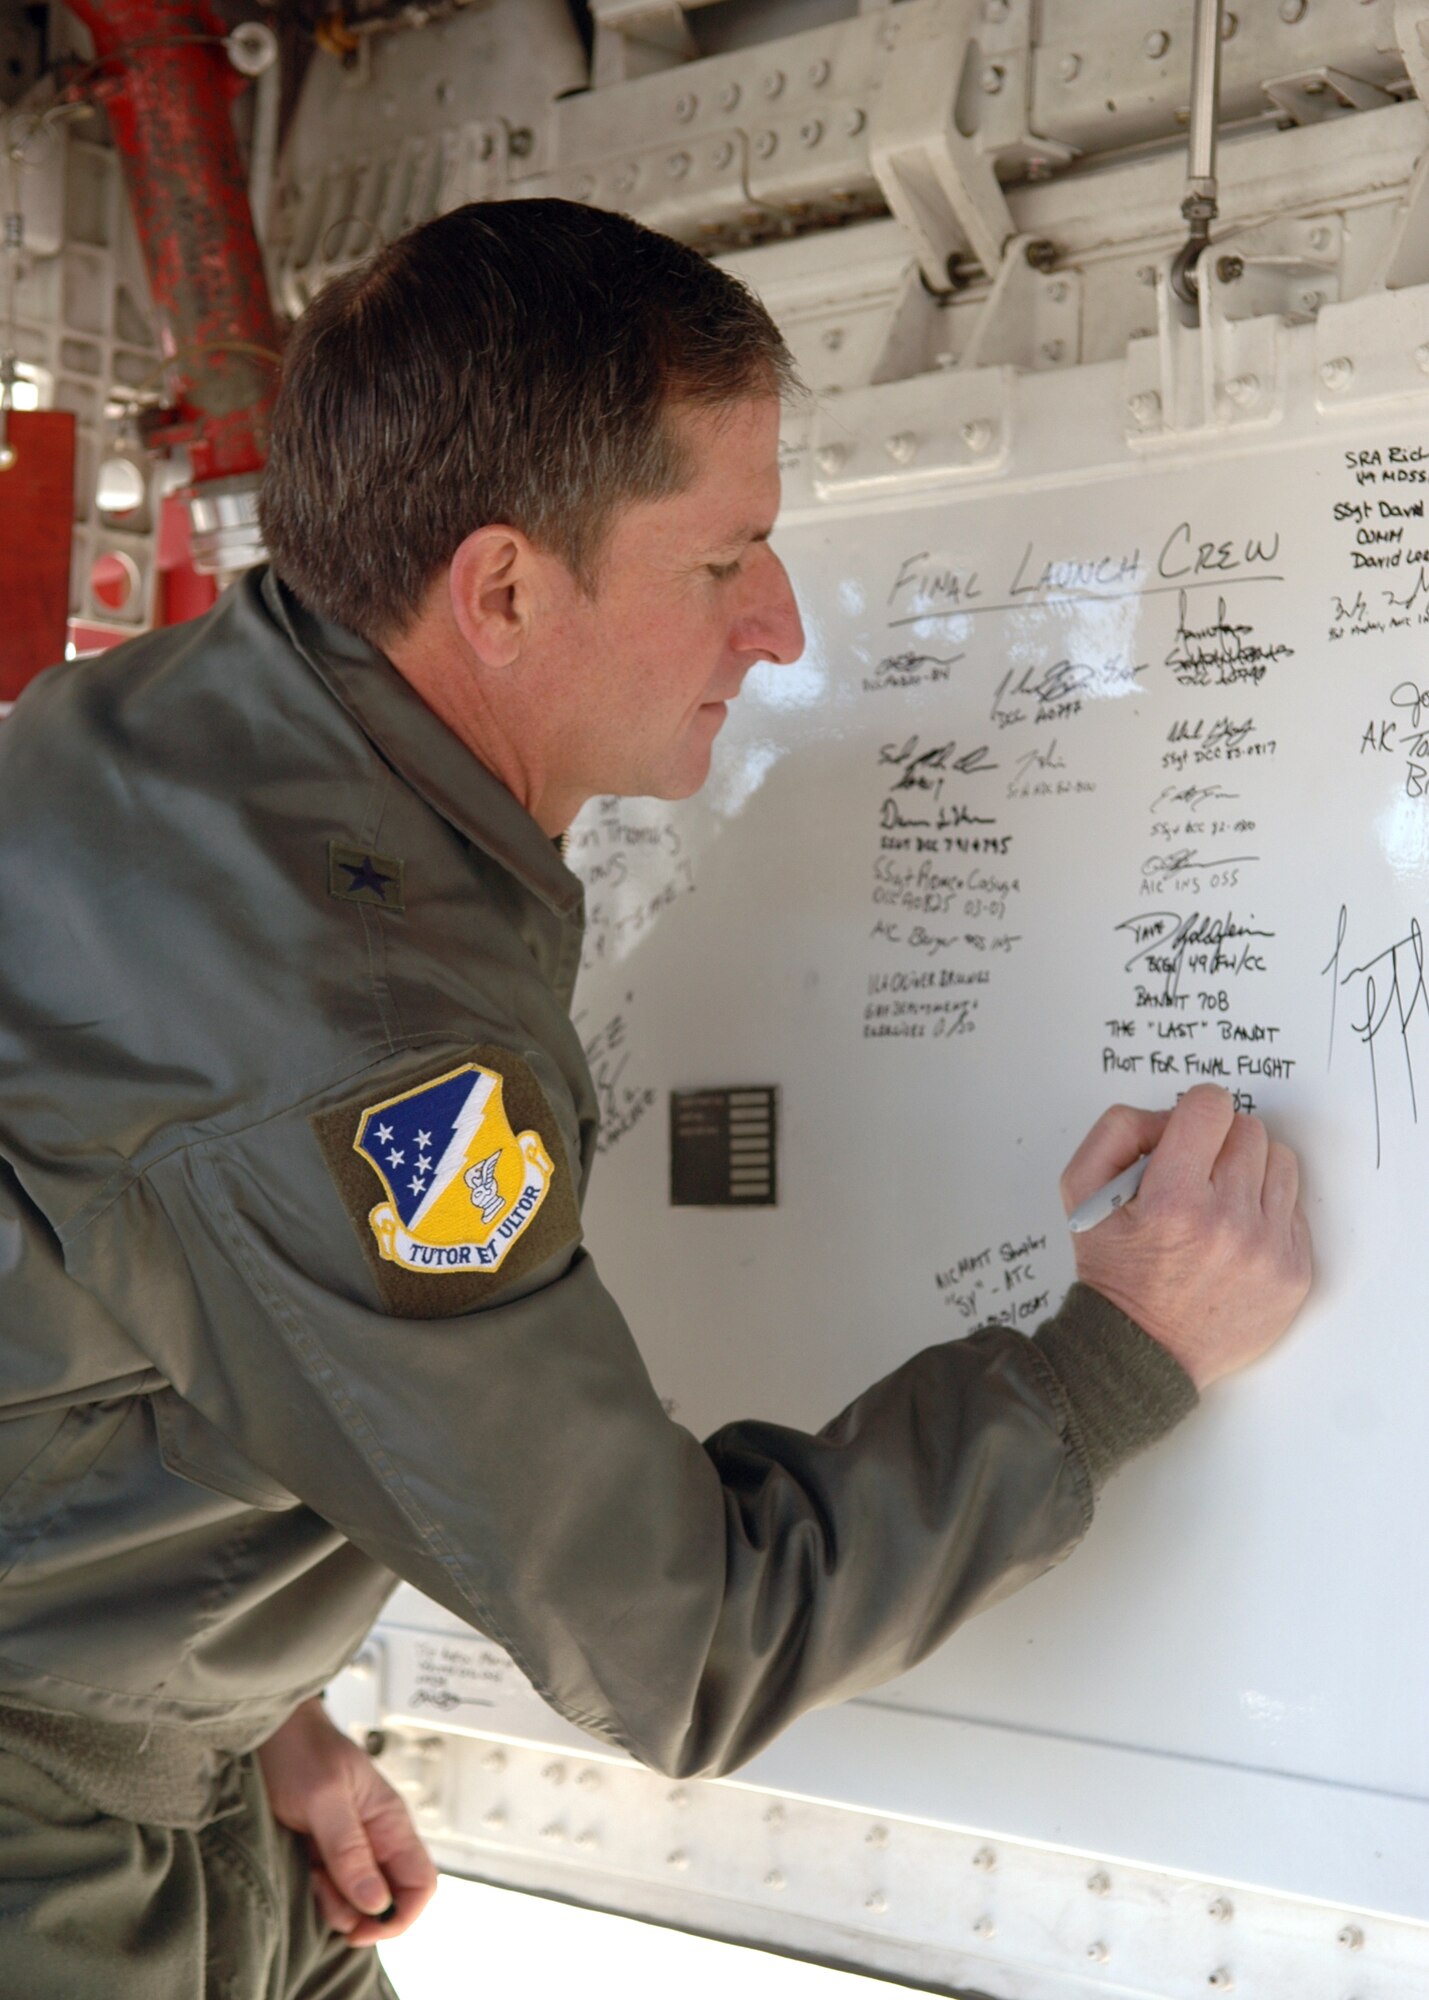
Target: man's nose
[771, 624]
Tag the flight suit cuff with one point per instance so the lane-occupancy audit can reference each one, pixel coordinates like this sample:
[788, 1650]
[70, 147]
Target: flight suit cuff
[1123, 1389]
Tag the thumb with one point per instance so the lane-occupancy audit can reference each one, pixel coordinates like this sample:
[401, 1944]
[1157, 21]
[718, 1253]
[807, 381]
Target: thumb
[345, 1851]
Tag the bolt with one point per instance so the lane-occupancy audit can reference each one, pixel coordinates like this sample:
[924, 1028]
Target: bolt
[686, 107]
[375, 1742]
[985, 1928]
[522, 143]
[811, 131]
[1243, 390]
[1221, 1911]
[1292, 11]
[588, 1841]
[1156, 44]
[774, 1815]
[679, 1798]
[494, 1820]
[624, 181]
[1058, 293]
[1146, 275]
[1230, 269]
[775, 1880]
[1145, 409]
[494, 1760]
[1098, 1953]
[993, 78]
[1041, 254]
[1336, 374]
[774, 83]
[902, 447]
[1053, 350]
[589, 1781]
[831, 458]
[678, 1859]
[877, 1836]
[1220, 1980]
[1069, 68]
[729, 97]
[819, 72]
[1100, 1883]
[1421, 356]
[978, 434]
[765, 144]
[833, 338]
[877, 1902]
[555, 1831]
[722, 154]
[554, 1774]
[677, 166]
[1312, 301]
[854, 123]
[1352, 1938]
[986, 1859]
[585, 187]
[1320, 239]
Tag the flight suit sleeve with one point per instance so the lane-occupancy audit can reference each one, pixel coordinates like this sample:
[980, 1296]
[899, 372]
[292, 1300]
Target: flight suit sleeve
[507, 1454]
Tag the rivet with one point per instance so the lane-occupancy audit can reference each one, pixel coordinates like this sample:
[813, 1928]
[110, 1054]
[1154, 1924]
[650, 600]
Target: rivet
[1229, 24]
[1146, 275]
[686, 107]
[1312, 301]
[1145, 409]
[764, 144]
[774, 1815]
[993, 78]
[1221, 1911]
[624, 180]
[722, 154]
[1292, 11]
[555, 1774]
[854, 123]
[1243, 390]
[1069, 68]
[985, 1928]
[589, 1781]
[978, 434]
[1098, 1953]
[1100, 1883]
[1157, 43]
[831, 458]
[494, 1760]
[678, 1859]
[1053, 350]
[986, 1859]
[1320, 239]
[1352, 1938]
[585, 187]
[811, 131]
[833, 338]
[819, 72]
[729, 97]
[1230, 270]
[775, 1879]
[1336, 374]
[1220, 1980]
[522, 142]
[555, 1831]
[1421, 356]
[877, 1902]
[902, 447]
[588, 1841]
[677, 166]
[494, 1820]
[877, 1836]
[679, 1798]
[774, 83]
[1057, 292]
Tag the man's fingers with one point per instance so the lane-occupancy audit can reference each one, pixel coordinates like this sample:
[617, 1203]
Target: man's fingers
[345, 1851]
[1190, 1146]
[1119, 1136]
[1239, 1172]
[1281, 1189]
[401, 1853]
[337, 1913]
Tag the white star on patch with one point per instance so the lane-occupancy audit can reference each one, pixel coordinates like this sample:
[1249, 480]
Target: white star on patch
[423, 1162]
[396, 1158]
[418, 1184]
[384, 1134]
[424, 1139]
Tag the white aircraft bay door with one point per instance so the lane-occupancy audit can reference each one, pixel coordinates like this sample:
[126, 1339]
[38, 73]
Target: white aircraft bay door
[1104, 771]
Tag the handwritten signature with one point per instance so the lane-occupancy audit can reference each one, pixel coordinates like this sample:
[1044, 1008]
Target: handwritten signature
[1391, 993]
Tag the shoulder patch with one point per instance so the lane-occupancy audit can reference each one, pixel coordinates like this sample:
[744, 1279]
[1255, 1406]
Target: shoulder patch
[458, 1185]
[356, 875]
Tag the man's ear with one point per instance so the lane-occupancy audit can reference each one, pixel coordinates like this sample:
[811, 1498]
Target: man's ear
[490, 586]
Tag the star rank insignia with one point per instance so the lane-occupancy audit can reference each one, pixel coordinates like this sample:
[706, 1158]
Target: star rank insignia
[357, 875]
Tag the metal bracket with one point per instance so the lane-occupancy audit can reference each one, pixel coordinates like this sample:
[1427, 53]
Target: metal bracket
[1374, 349]
[926, 431]
[1210, 378]
[1311, 95]
[1032, 317]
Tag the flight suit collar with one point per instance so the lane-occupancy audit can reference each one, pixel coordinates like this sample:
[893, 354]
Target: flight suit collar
[434, 762]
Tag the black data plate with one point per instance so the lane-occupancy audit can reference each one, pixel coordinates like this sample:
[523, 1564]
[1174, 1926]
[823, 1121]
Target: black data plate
[722, 1147]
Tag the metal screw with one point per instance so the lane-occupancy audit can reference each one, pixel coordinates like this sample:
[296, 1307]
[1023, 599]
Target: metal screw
[722, 154]
[375, 1742]
[774, 83]
[811, 131]
[902, 447]
[831, 458]
[1100, 1883]
[1098, 1953]
[1421, 356]
[1312, 301]
[819, 72]
[985, 1928]
[1053, 350]
[1320, 239]
[1292, 11]
[1145, 409]
[729, 97]
[1041, 254]
[679, 1859]
[1157, 43]
[677, 166]
[764, 144]
[978, 434]
[686, 107]
[494, 1820]
[1220, 1980]
[877, 1902]
[522, 143]
[1069, 68]
[1336, 374]
[877, 1836]
[993, 78]
[494, 1760]
[1229, 269]
[854, 123]
[1221, 1911]
[775, 1880]
[1352, 1938]
[986, 1859]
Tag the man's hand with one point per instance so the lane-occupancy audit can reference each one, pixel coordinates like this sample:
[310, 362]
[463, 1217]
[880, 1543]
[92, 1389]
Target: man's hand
[366, 1853]
[1213, 1257]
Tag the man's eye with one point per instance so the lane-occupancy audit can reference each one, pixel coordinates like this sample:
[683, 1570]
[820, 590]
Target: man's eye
[722, 572]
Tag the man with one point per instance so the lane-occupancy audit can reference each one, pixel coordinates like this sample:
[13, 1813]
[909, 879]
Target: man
[294, 1127]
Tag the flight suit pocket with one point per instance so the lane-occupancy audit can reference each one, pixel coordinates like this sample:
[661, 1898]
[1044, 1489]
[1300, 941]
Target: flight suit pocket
[193, 1448]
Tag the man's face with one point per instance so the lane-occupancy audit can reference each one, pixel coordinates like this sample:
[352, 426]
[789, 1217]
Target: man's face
[689, 596]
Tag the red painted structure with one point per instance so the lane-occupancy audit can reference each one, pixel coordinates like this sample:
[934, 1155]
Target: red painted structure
[36, 502]
[164, 77]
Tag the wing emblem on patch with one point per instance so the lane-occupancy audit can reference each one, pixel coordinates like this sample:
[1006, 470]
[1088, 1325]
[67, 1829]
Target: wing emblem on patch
[462, 1187]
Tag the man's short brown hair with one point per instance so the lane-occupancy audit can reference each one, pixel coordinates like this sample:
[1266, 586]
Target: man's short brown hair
[510, 361]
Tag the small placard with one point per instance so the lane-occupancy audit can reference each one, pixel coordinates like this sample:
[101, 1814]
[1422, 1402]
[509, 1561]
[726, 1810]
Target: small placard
[722, 1147]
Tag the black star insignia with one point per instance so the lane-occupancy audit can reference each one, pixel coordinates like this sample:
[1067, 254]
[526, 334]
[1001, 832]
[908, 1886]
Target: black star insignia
[357, 875]
[365, 876]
